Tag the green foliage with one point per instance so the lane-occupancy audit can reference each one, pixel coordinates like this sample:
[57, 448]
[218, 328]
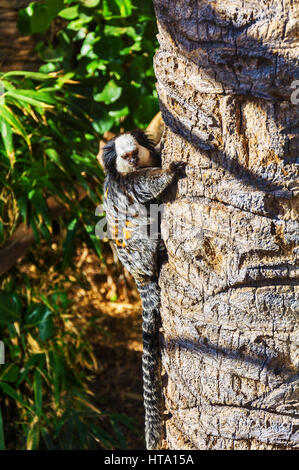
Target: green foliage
[43, 383]
[109, 41]
[96, 75]
[48, 149]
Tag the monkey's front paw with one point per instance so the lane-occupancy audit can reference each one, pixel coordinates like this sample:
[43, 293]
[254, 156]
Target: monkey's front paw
[179, 168]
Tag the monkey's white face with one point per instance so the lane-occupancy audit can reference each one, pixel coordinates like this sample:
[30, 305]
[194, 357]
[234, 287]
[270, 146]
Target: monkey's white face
[130, 155]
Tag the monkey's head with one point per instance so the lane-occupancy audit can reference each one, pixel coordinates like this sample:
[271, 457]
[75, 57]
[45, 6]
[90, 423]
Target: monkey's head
[129, 152]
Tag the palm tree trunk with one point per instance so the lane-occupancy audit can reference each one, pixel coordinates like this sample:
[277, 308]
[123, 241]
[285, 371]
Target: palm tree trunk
[230, 286]
[16, 51]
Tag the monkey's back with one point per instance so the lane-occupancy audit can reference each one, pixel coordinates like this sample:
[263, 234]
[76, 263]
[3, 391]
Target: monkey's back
[133, 227]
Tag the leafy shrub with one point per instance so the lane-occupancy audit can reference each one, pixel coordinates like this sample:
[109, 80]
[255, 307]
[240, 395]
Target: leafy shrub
[96, 75]
[48, 149]
[44, 397]
[111, 44]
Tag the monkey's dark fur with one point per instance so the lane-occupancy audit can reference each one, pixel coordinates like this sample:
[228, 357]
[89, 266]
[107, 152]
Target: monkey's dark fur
[140, 254]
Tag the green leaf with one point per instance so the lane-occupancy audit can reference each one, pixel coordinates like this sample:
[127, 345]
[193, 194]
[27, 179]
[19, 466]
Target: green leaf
[94, 239]
[53, 155]
[109, 9]
[79, 24]
[95, 65]
[24, 23]
[87, 46]
[32, 441]
[2, 438]
[7, 136]
[108, 48]
[10, 373]
[54, 7]
[8, 390]
[90, 3]
[110, 93]
[60, 296]
[69, 244]
[28, 366]
[35, 98]
[14, 122]
[105, 438]
[116, 8]
[41, 316]
[118, 113]
[46, 327]
[23, 207]
[39, 18]
[36, 18]
[69, 13]
[49, 54]
[48, 68]
[34, 228]
[145, 110]
[41, 77]
[125, 7]
[38, 393]
[103, 124]
[37, 313]
[10, 307]
[39, 204]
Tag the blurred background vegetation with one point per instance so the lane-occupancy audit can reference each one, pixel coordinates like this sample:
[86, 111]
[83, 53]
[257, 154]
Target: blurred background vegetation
[94, 74]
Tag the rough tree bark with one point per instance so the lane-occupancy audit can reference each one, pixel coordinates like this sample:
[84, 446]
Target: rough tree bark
[230, 286]
[16, 51]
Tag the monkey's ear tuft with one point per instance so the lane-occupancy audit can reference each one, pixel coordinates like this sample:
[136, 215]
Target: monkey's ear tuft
[109, 157]
[106, 137]
[143, 139]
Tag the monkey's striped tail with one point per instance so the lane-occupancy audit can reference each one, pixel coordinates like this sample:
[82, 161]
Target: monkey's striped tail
[150, 296]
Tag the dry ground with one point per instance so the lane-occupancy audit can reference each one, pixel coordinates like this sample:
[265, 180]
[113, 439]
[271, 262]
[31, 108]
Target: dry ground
[115, 335]
[106, 308]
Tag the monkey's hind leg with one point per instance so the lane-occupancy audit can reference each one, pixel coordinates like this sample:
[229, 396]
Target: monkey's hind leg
[152, 392]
